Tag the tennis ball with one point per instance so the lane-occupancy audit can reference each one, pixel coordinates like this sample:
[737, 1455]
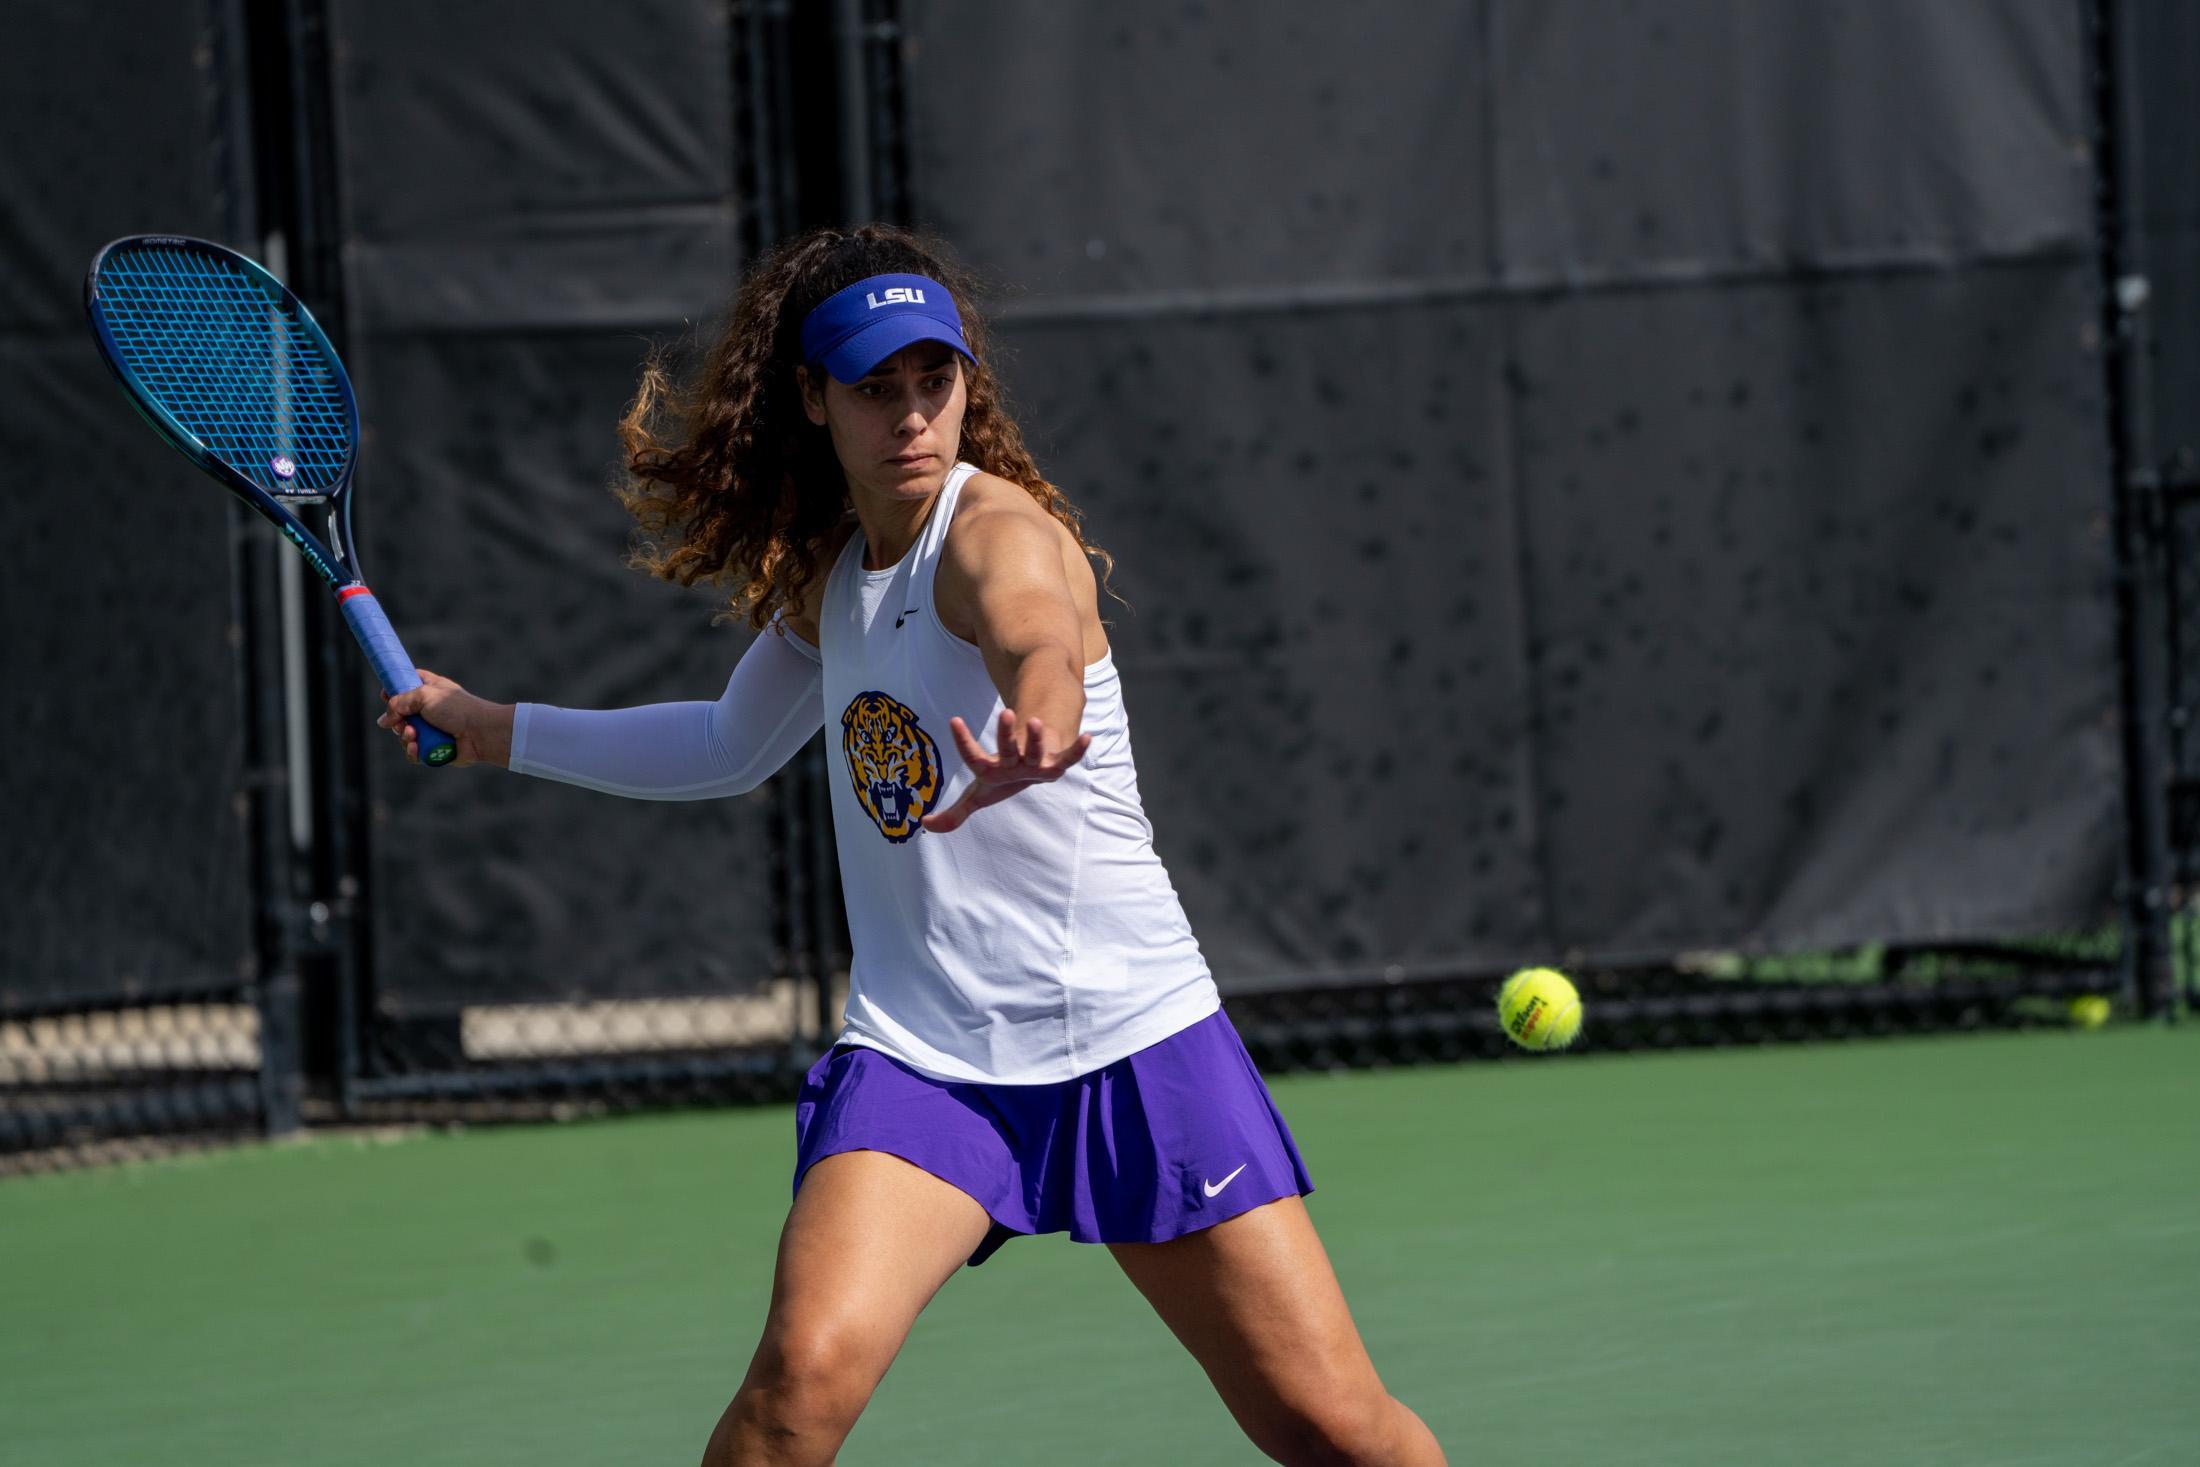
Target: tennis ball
[1539, 1009]
[2089, 1010]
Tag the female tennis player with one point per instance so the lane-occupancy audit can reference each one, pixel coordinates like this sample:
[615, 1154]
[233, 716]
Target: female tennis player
[1033, 1042]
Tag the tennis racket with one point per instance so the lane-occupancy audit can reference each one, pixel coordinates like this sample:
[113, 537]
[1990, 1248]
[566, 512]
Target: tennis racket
[228, 366]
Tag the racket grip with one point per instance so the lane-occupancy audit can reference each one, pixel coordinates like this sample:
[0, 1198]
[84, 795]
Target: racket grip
[392, 666]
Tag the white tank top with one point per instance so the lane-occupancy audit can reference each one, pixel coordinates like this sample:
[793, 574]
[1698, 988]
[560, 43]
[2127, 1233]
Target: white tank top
[1041, 940]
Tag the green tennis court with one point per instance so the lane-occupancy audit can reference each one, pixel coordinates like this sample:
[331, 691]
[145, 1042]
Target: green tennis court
[1966, 1250]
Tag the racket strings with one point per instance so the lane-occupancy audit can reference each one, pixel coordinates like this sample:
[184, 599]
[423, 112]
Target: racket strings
[243, 374]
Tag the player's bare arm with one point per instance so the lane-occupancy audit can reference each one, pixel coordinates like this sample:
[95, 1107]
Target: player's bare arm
[1001, 578]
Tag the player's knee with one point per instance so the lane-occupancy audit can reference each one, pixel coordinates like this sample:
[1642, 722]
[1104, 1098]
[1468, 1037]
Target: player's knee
[1338, 1431]
[809, 1383]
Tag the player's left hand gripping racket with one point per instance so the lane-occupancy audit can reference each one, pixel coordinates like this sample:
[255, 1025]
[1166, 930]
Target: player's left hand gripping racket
[227, 365]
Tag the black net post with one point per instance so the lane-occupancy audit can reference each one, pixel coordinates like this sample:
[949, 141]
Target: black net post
[2141, 518]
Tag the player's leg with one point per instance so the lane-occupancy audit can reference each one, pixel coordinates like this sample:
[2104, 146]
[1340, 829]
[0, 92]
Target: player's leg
[1256, 1302]
[869, 1241]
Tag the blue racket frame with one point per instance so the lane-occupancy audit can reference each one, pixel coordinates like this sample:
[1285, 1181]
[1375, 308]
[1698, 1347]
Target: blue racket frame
[303, 462]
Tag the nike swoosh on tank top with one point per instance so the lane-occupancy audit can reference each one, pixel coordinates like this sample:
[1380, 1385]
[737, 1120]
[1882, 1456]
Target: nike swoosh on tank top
[1043, 939]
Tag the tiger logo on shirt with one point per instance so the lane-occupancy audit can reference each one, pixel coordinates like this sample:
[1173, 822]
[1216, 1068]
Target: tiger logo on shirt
[892, 761]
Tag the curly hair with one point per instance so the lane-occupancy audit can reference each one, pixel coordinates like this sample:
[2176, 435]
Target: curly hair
[729, 478]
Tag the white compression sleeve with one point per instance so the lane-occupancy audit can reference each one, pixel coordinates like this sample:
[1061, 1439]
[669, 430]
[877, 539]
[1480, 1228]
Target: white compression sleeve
[684, 751]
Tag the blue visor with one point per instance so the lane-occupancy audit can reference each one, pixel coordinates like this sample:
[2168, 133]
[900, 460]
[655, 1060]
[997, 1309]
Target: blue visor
[852, 331]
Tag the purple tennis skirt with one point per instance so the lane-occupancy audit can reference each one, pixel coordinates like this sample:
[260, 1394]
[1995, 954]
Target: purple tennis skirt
[1172, 1139]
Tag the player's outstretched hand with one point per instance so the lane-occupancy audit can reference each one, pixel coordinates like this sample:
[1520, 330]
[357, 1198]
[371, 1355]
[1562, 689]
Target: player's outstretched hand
[1024, 760]
[482, 729]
